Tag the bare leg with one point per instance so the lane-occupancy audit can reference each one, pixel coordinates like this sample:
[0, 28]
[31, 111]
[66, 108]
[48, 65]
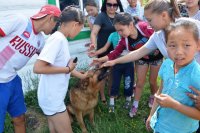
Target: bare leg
[60, 123]
[153, 78]
[19, 124]
[141, 78]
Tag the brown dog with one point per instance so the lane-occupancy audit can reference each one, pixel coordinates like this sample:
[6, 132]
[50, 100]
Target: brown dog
[84, 97]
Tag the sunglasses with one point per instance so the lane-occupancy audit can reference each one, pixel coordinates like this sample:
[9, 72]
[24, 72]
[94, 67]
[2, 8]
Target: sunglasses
[112, 5]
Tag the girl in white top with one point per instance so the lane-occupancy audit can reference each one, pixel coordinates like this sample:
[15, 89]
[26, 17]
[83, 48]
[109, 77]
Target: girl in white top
[55, 65]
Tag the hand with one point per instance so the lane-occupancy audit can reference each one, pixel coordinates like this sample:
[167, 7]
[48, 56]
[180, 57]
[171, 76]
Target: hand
[165, 100]
[95, 62]
[91, 54]
[148, 127]
[195, 97]
[71, 64]
[91, 47]
[108, 63]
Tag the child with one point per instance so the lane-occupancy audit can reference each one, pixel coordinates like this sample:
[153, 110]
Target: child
[133, 37]
[92, 10]
[54, 65]
[20, 39]
[173, 111]
[134, 8]
[193, 9]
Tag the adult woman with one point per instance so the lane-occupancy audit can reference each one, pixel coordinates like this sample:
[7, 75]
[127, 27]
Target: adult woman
[102, 28]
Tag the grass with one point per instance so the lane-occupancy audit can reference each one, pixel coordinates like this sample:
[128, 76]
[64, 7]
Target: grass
[118, 122]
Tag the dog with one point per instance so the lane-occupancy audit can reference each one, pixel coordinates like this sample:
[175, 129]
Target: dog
[84, 97]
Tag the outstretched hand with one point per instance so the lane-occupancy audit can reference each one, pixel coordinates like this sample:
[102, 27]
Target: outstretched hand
[91, 47]
[95, 61]
[108, 63]
[91, 54]
[195, 97]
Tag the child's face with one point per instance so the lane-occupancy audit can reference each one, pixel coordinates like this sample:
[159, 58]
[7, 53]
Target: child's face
[181, 46]
[191, 3]
[132, 3]
[157, 21]
[75, 29]
[123, 30]
[91, 10]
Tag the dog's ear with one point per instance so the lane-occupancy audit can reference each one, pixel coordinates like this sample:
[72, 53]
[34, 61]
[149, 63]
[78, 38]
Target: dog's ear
[84, 83]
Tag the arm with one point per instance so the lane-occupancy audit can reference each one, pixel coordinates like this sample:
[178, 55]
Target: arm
[167, 101]
[195, 97]
[78, 74]
[93, 35]
[100, 51]
[43, 67]
[153, 109]
[132, 56]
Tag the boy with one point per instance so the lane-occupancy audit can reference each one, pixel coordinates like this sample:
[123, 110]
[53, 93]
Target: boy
[20, 39]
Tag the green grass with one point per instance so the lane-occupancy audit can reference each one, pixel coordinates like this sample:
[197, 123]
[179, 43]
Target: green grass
[118, 122]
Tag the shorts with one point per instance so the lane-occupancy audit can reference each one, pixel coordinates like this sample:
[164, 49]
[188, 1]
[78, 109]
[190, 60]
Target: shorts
[11, 100]
[149, 63]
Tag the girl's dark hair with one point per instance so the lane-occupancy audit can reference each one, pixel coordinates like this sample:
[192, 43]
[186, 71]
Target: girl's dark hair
[103, 8]
[72, 13]
[123, 18]
[158, 6]
[91, 3]
[186, 23]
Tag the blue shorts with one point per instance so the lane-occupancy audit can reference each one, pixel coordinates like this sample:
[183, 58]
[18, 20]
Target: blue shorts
[11, 100]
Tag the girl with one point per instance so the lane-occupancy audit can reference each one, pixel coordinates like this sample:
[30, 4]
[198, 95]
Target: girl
[102, 28]
[193, 9]
[173, 105]
[20, 39]
[134, 8]
[133, 37]
[54, 65]
[92, 10]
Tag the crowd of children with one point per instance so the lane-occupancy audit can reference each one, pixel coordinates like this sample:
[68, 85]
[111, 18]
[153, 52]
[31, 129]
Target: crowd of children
[132, 42]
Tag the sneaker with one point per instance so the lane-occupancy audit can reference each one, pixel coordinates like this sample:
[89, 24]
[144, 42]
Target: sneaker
[127, 105]
[111, 109]
[133, 112]
[151, 99]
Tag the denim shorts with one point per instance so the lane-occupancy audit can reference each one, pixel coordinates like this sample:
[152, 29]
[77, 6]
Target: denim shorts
[11, 100]
[147, 63]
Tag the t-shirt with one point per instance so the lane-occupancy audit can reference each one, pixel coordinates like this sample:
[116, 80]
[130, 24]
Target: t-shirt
[138, 11]
[18, 45]
[168, 120]
[107, 27]
[196, 16]
[114, 38]
[157, 40]
[52, 88]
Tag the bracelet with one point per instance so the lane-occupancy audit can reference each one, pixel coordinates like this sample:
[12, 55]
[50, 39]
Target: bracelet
[69, 68]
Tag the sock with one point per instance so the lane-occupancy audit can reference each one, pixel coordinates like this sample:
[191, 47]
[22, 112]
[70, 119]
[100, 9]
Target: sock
[135, 104]
[128, 98]
[112, 101]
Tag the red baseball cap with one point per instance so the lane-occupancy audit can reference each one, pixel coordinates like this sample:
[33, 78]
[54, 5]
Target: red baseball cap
[47, 10]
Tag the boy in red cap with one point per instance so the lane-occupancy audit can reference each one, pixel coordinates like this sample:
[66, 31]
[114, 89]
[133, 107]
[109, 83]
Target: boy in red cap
[20, 39]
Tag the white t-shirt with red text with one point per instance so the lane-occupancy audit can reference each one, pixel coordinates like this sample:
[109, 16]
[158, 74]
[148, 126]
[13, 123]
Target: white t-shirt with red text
[18, 44]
